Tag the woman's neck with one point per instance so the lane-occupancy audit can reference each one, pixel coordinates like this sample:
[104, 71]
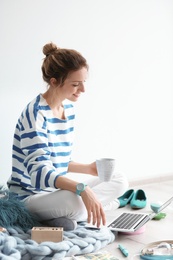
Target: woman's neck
[55, 104]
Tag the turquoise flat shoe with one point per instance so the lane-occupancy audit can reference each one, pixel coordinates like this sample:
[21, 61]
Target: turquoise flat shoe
[125, 198]
[138, 200]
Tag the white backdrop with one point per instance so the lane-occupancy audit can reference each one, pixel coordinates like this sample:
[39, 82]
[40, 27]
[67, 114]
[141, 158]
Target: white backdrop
[127, 110]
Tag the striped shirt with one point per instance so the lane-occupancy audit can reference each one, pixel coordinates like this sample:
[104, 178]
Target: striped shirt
[41, 148]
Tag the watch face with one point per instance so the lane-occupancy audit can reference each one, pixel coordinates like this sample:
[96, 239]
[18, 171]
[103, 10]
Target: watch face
[80, 186]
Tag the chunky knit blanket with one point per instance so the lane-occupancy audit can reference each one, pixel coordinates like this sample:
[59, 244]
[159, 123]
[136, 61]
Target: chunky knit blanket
[17, 244]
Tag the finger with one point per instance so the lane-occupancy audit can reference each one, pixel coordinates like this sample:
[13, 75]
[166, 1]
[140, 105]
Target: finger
[89, 216]
[103, 216]
[94, 216]
[97, 216]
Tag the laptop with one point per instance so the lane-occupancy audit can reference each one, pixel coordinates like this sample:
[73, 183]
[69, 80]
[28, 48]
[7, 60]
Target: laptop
[130, 221]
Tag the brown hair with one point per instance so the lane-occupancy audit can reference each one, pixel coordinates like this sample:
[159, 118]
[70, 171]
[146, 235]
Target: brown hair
[58, 62]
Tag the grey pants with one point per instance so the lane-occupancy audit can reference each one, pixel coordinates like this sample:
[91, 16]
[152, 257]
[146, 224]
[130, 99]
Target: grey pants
[60, 203]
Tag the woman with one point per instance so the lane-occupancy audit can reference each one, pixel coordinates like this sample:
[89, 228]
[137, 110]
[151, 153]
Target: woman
[42, 148]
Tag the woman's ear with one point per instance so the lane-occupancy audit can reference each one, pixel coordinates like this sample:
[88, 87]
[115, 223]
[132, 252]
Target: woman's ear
[53, 82]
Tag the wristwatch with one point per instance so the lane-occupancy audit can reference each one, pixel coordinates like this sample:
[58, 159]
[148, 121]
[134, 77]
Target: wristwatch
[80, 187]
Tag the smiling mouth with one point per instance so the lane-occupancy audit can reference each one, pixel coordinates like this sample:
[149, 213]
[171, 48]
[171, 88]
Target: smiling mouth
[77, 95]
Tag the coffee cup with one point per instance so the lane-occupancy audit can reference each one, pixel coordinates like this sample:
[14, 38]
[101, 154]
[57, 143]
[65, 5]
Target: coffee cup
[105, 168]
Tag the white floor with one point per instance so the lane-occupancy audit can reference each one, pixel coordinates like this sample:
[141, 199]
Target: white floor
[155, 230]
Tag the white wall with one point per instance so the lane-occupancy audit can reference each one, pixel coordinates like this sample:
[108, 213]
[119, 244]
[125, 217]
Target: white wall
[127, 110]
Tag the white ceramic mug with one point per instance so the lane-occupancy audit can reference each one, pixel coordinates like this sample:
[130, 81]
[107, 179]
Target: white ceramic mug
[105, 168]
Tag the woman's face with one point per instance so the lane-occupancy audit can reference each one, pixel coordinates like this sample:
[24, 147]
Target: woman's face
[74, 84]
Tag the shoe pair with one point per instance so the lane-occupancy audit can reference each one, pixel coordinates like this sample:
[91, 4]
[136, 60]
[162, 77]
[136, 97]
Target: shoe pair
[136, 199]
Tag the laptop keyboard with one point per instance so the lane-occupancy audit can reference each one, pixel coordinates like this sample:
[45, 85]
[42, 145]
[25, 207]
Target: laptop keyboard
[126, 221]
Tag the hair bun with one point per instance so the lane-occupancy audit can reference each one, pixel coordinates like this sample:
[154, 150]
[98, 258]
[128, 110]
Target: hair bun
[49, 48]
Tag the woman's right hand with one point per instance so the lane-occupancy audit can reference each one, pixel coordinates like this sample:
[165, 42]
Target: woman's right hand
[94, 208]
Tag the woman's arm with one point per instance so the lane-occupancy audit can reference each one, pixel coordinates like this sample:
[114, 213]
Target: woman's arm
[93, 206]
[83, 168]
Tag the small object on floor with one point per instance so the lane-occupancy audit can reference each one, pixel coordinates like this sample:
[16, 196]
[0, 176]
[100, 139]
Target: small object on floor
[42, 234]
[125, 198]
[159, 250]
[105, 255]
[138, 200]
[64, 222]
[123, 250]
[155, 207]
[160, 216]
